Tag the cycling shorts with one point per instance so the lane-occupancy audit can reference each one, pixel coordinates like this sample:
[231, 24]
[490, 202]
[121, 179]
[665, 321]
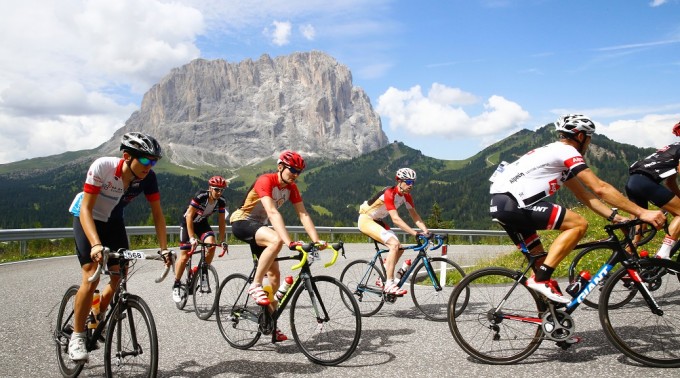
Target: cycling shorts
[112, 234]
[374, 229]
[245, 230]
[542, 215]
[641, 189]
[202, 229]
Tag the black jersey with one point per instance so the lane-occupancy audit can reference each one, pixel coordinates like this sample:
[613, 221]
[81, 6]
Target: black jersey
[204, 209]
[659, 165]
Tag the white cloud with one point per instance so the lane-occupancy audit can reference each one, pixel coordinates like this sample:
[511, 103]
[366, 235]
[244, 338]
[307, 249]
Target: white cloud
[653, 130]
[280, 35]
[656, 3]
[442, 112]
[308, 32]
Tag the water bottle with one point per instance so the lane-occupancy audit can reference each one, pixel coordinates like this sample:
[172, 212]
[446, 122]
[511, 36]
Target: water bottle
[644, 254]
[93, 319]
[404, 268]
[284, 287]
[194, 270]
[579, 283]
[267, 287]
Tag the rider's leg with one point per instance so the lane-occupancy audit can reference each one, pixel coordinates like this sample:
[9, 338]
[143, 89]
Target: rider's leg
[83, 300]
[180, 264]
[573, 228]
[210, 253]
[393, 257]
[269, 239]
[673, 207]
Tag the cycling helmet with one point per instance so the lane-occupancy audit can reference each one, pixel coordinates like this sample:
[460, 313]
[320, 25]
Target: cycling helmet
[141, 144]
[575, 123]
[291, 159]
[218, 182]
[676, 129]
[406, 174]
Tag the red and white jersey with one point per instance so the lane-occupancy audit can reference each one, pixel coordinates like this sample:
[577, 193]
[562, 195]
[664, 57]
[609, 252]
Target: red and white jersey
[379, 205]
[538, 174]
[266, 185]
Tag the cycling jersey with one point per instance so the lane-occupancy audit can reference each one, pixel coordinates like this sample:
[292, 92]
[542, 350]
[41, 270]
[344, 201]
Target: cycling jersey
[659, 165]
[204, 209]
[538, 174]
[378, 206]
[266, 185]
[104, 178]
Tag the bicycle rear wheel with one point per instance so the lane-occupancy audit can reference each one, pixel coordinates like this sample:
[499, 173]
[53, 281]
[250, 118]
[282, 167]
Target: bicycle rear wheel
[433, 303]
[237, 314]
[205, 293]
[365, 282]
[131, 341]
[63, 330]
[494, 336]
[592, 259]
[645, 337]
[325, 340]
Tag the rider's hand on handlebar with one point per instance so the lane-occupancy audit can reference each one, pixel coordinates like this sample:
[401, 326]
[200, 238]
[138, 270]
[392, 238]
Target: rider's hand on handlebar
[225, 246]
[165, 254]
[653, 217]
[96, 252]
[294, 244]
[321, 244]
[424, 235]
[193, 242]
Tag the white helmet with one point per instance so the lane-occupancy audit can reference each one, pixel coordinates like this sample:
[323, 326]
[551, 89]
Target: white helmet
[406, 174]
[574, 123]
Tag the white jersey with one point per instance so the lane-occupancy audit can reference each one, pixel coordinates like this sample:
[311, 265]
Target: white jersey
[538, 174]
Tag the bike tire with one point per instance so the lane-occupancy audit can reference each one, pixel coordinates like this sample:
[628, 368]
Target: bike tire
[650, 339]
[480, 332]
[63, 329]
[329, 341]
[184, 294]
[592, 259]
[365, 282]
[434, 303]
[205, 297]
[131, 340]
[237, 314]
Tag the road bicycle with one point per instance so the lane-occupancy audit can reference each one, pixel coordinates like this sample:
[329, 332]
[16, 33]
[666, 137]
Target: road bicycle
[430, 286]
[131, 341]
[201, 282]
[325, 330]
[504, 322]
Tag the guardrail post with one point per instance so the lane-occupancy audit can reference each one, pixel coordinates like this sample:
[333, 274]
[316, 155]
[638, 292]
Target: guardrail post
[23, 249]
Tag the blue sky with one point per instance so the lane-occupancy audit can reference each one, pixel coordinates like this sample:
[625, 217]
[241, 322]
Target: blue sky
[447, 77]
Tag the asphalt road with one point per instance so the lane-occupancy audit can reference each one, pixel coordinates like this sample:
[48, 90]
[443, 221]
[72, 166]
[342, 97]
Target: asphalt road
[397, 341]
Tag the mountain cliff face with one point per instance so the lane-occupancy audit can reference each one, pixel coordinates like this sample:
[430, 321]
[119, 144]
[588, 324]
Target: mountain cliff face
[215, 113]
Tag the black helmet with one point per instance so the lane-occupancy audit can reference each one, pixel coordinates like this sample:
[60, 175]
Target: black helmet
[141, 144]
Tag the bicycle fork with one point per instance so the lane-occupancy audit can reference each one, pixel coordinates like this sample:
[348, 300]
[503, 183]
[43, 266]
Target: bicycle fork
[317, 305]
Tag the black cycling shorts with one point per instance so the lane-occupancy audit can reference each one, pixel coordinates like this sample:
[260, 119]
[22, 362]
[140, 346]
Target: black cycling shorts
[245, 230]
[112, 235]
[542, 215]
[641, 189]
[202, 229]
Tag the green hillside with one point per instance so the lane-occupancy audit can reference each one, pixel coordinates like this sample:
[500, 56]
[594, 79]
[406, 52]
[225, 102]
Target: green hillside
[37, 192]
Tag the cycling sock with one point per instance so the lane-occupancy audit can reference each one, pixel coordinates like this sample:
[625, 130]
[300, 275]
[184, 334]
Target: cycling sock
[79, 335]
[666, 246]
[544, 272]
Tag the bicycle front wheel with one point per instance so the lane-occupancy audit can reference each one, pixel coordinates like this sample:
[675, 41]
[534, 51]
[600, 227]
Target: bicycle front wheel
[205, 292]
[432, 302]
[648, 338]
[592, 259]
[323, 326]
[131, 341]
[488, 333]
[237, 314]
[365, 281]
[62, 334]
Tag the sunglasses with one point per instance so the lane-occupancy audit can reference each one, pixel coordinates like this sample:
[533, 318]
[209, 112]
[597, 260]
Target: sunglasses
[409, 182]
[217, 189]
[145, 161]
[294, 171]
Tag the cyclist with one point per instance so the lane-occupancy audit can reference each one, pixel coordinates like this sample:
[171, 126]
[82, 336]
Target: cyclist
[261, 203]
[195, 226]
[110, 185]
[384, 203]
[518, 192]
[645, 185]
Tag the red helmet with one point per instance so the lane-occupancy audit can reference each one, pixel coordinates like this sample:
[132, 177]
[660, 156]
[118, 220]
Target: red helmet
[292, 159]
[676, 129]
[217, 181]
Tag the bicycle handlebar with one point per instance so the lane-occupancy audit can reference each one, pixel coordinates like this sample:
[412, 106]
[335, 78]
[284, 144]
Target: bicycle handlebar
[305, 249]
[171, 255]
[122, 253]
[225, 247]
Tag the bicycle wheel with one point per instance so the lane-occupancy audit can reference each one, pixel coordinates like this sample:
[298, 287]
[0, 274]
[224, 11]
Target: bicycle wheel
[131, 340]
[365, 282]
[433, 303]
[62, 334]
[325, 340]
[645, 337]
[237, 314]
[493, 336]
[205, 293]
[592, 259]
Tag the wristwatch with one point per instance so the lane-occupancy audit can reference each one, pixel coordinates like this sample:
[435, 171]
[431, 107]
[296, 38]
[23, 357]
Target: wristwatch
[611, 217]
